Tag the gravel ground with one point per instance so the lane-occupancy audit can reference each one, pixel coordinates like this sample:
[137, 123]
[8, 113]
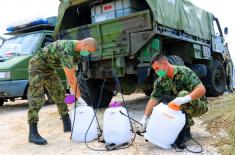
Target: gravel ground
[14, 132]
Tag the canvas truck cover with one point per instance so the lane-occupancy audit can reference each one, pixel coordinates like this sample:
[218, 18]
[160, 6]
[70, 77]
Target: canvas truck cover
[177, 14]
[183, 15]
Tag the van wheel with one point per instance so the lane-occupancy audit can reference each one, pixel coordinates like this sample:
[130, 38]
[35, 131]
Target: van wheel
[215, 81]
[1, 101]
[94, 89]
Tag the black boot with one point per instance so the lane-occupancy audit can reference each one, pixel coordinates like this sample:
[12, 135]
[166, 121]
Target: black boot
[183, 137]
[34, 136]
[187, 134]
[67, 123]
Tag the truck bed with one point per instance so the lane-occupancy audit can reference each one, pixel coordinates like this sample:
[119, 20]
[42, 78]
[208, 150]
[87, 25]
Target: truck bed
[112, 35]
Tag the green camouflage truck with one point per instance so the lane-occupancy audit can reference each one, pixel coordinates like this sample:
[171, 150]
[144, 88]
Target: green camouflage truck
[15, 53]
[129, 32]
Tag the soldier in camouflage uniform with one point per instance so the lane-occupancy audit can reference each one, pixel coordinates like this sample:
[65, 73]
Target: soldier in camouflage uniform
[177, 85]
[42, 75]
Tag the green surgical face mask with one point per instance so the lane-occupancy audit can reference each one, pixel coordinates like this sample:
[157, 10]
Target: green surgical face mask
[161, 73]
[84, 53]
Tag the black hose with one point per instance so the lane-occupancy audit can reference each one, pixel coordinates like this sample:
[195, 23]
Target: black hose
[201, 149]
[95, 111]
[107, 147]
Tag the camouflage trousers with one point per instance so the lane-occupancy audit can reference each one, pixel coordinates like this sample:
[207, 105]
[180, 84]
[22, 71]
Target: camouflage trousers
[38, 82]
[194, 108]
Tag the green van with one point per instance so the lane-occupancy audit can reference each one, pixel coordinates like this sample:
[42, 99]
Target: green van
[2, 41]
[15, 54]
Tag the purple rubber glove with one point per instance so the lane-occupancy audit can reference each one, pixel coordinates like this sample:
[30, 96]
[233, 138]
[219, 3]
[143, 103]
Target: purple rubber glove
[69, 99]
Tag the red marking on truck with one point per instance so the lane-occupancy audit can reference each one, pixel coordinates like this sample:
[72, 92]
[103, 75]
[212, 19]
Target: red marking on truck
[108, 7]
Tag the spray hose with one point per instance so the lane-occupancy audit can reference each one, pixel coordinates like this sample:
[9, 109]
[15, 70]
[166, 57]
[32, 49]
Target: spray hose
[111, 146]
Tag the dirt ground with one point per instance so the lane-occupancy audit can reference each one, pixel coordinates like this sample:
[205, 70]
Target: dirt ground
[14, 131]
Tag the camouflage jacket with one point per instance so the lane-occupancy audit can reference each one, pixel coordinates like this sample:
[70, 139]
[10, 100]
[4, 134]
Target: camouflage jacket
[166, 89]
[57, 54]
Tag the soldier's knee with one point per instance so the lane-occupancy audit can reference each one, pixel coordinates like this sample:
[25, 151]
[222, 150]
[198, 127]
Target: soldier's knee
[182, 93]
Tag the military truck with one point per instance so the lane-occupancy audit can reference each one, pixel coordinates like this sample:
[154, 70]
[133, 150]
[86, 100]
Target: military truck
[129, 32]
[28, 36]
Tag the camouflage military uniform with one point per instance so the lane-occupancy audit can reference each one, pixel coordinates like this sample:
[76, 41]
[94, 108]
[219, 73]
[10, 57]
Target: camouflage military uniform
[184, 81]
[42, 75]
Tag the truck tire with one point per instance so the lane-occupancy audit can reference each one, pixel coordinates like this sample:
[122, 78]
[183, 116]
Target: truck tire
[199, 69]
[150, 82]
[94, 90]
[229, 76]
[215, 81]
[1, 101]
[175, 60]
[147, 92]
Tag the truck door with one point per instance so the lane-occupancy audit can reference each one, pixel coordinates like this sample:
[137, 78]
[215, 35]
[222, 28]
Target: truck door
[217, 38]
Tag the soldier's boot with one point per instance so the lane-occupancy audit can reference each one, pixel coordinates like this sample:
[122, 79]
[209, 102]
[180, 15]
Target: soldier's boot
[184, 136]
[67, 123]
[34, 136]
[187, 134]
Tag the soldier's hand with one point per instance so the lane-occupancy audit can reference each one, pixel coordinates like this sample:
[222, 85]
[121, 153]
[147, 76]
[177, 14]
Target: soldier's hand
[144, 122]
[82, 102]
[182, 100]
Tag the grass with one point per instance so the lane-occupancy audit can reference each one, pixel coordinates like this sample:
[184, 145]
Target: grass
[221, 116]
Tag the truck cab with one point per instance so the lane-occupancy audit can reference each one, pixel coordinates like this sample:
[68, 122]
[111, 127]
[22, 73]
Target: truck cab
[15, 54]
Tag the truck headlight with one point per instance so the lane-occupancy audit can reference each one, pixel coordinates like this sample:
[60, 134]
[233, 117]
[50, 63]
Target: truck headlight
[5, 75]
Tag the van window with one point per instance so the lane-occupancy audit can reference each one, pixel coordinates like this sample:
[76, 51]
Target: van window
[47, 40]
[20, 45]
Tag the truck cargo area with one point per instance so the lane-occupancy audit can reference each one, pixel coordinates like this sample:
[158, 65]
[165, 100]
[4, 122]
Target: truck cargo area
[95, 12]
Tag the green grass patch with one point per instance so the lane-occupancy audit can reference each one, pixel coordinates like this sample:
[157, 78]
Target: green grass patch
[221, 116]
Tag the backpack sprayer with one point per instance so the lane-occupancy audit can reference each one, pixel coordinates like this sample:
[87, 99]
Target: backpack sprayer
[116, 137]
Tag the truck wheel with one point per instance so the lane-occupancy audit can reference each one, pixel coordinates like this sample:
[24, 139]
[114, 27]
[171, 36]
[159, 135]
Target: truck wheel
[94, 89]
[149, 83]
[199, 69]
[229, 76]
[215, 81]
[147, 92]
[1, 101]
[175, 60]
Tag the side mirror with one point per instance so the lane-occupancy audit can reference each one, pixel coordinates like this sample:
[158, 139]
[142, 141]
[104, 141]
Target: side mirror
[226, 30]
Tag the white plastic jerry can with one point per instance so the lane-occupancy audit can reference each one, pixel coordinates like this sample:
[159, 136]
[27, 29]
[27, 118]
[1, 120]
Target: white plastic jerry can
[83, 116]
[164, 125]
[116, 127]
